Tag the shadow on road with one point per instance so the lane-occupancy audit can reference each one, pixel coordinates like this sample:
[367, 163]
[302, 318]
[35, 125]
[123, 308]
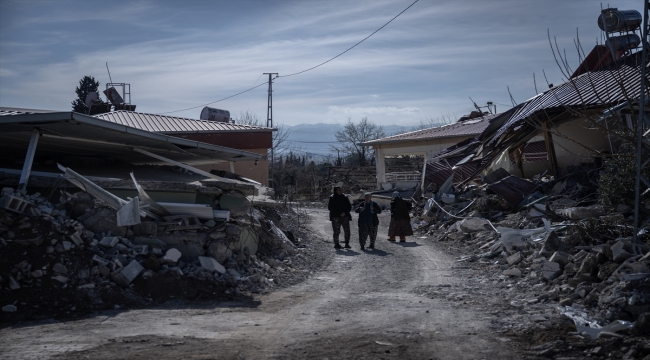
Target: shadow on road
[377, 252]
[347, 252]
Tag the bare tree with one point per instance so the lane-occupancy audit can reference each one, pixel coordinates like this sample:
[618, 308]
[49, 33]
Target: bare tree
[280, 136]
[353, 135]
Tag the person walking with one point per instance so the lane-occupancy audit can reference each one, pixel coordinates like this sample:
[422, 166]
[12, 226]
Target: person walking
[368, 221]
[339, 207]
[400, 220]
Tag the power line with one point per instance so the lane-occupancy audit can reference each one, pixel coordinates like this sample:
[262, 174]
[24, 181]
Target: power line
[355, 45]
[300, 72]
[216, 101]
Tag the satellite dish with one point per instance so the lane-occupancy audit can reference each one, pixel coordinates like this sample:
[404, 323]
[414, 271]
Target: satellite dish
[91, 98]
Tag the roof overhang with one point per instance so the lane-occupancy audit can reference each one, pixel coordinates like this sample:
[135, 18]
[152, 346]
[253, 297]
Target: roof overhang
[69, 133]
[428, 139]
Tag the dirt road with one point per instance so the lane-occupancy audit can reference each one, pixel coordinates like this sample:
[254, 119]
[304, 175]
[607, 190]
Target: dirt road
[361, 306]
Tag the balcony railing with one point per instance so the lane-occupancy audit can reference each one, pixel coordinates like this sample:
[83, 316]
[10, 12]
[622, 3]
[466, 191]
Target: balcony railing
[403, 176]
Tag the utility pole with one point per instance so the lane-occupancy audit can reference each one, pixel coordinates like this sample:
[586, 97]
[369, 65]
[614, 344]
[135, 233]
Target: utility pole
[269, 121]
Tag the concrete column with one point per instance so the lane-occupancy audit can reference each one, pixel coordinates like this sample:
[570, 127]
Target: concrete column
[232, 166]
[29, 159]
[380, 163]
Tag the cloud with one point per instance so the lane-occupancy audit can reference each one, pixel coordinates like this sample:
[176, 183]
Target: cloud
[387, 110]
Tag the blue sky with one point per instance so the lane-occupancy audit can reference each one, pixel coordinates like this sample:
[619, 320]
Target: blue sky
[180, 54]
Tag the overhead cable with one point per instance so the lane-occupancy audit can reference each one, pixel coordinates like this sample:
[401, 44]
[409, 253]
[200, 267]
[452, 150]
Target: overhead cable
[216, 101]
[353, 46]
[300, 72]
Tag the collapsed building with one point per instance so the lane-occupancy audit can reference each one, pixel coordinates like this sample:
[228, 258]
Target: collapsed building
[101, 203]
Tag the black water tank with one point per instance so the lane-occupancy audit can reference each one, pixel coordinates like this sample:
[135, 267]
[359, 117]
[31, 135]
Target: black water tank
[619, 20]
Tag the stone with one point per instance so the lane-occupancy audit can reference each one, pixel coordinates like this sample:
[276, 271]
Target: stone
[13, 283]
[514, 259]
[145, 228]
[473, 225]
[37, 273]
[219, 250]
[104, 270]
[60, 278]
[625, 249]
[550, 270]
[211, 264]
[606, 270]
[76, 238]
[172, 255]
[9, 308]
[59, 268]
[109, 241]
[210, 223]
[216, 235]
[49, 250]
[233, 230]
[83, 274]
[589, 265]
[552, 244]
[642, 324]
[127, 274]
[561, 258]
[99, 260]
[66, 245]
[102, 220]
[515, 272]
[235, 274]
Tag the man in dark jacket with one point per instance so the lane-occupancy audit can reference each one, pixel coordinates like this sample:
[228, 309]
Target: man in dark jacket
[339, 207]
[368, 221]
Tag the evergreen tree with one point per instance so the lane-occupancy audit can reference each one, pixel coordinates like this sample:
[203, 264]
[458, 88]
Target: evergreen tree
[86, 85]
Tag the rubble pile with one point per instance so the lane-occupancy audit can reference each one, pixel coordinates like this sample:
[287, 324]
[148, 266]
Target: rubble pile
[549, 258]
[67, 257]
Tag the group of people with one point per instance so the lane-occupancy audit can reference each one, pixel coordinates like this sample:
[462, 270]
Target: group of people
[340, 215]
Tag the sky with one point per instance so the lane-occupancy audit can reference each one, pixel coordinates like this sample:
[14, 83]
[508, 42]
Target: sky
[426, 64]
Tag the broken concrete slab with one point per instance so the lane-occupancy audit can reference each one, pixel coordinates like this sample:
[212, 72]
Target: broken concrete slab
[128, 274]
[625, 249]
[9, 308]
[109, 241]
[550, 270]
[471, 225]
[211, 264]
[14, 204]
[145, 228]
[514, 259]
[129, 214]
[514, 272]
[102, 220]
[59, 268]
[172, 255]
[552, 243]
[561, 258]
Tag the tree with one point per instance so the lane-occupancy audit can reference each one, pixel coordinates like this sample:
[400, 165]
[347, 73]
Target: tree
[86, 85]
[353, 135]
[279, 136]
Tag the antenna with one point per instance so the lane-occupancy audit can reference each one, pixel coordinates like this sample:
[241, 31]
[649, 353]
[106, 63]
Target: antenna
[109, 72]
[475, 105]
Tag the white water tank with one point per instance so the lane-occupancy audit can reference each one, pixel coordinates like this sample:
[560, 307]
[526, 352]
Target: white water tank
[212, 114]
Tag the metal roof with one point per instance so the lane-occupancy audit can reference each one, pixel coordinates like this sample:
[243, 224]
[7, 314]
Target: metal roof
[471, 127]
[600, 88]
[73, 133]
[173, 125]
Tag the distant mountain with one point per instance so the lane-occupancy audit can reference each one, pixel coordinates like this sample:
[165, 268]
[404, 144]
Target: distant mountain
[316, 139]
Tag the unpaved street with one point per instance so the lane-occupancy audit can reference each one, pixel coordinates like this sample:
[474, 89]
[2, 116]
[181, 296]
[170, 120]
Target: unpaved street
[361, 306]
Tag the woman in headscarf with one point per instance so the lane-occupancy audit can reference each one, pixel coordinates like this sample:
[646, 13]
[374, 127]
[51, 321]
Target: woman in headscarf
[400, 220]
[339, 207]
[368, 221]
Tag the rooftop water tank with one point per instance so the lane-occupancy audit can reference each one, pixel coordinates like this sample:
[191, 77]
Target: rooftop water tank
[619, 20]
[212, 114]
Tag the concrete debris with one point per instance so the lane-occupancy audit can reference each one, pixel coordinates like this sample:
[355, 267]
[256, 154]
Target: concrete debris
[172, 256]
[9, 308]
[211, 264]
[555, 247]
[91, 243]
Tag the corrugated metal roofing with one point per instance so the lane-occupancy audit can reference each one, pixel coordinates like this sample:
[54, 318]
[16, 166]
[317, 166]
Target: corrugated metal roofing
[5, 111]
[171, 124]
[470, 127]
[600, 88]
